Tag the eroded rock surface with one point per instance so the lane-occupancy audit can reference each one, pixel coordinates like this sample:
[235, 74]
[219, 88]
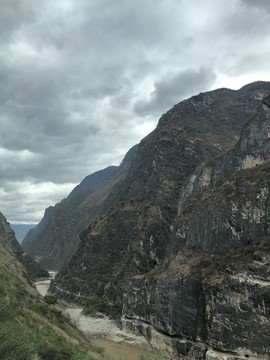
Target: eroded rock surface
[184, 243]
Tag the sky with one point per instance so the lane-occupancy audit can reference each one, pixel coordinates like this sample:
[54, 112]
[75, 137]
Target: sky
[82, 81]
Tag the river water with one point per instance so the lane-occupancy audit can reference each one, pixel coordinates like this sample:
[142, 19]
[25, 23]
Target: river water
[118, 351]
[96, 328]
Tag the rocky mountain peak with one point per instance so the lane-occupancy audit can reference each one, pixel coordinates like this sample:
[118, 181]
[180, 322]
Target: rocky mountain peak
[135, 232]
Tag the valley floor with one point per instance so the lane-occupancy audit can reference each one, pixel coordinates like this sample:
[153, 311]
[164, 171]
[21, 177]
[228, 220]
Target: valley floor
[103, 331]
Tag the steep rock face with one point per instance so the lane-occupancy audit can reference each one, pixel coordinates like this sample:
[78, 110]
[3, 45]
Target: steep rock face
[233, 197]
[205, 307]
[9, 242]
[136, 231]
[56, 237]
[215, 306]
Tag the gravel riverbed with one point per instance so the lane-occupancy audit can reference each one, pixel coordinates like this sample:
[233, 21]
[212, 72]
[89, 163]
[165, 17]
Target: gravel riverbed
[98, 326]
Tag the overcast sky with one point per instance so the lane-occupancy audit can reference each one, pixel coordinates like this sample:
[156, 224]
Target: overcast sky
[84, 80]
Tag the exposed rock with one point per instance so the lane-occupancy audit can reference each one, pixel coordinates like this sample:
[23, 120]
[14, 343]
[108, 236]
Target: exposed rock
[266, 100]
[183, 243]
[229, 304]
[204, 306]
[135, 231]
[235, 200]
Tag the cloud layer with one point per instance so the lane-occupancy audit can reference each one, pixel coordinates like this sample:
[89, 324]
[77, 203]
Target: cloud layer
[81, 81]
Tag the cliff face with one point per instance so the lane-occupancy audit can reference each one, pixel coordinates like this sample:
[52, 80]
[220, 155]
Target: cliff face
[183, 244]
[205, 307]
[212, 299]
[9, 242]
[231, 192]
[55, 238]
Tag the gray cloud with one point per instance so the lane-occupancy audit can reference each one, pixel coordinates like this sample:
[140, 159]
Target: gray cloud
[14, 15]
[175, 87]
[261, 4]
[81, 81]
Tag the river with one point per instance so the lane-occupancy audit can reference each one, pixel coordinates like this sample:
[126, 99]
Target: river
[118, 351]
[102, 331]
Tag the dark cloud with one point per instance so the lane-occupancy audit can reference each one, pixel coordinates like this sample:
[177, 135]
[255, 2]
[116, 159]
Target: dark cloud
[260, 4]
[14, 15]
[173, 88]
[81, 81]
[244, 24]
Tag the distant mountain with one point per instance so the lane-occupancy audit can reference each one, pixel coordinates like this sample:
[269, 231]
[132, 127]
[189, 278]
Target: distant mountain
[92, 180]
[21, 230]
[183, 243]
[54, 240]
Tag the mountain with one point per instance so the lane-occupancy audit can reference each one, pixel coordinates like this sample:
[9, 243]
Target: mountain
[92, 180]
[9, 241]
[21, 230]
[211, 300]
[30, 328]
[7, 235]
[54, 240]
[183, 243]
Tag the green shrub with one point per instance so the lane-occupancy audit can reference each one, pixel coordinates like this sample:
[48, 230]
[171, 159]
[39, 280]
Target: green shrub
[55, 353]
[40, 307]
[100, 305]
[50, 299]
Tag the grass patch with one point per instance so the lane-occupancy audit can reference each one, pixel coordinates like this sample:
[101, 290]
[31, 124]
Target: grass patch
[30, 328]
[33, 329]
[50, 299]
[17, 342]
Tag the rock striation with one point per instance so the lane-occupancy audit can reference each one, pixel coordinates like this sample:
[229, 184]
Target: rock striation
[183, 242]
[211, 301]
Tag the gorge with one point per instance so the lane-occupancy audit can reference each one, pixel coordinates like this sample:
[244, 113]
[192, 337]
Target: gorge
[179, 238]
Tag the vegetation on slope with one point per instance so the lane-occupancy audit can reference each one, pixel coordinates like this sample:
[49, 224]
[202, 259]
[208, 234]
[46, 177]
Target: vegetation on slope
[32, 329]
[29, 327]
